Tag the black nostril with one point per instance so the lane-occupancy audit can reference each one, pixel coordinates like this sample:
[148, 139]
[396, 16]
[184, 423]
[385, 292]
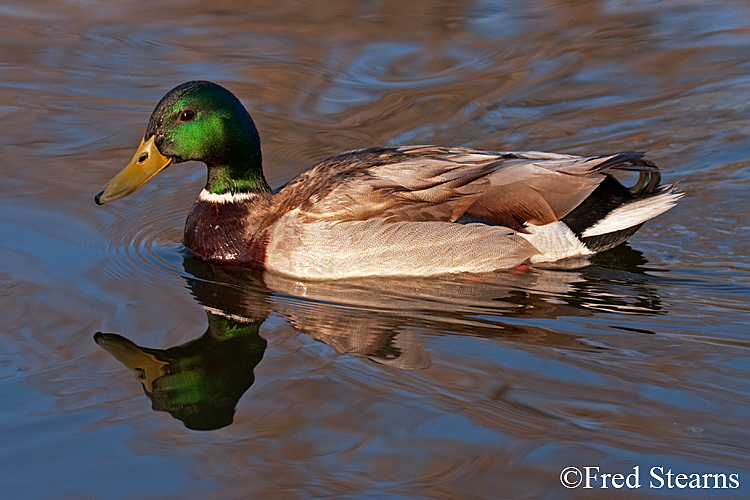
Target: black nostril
[143, 158]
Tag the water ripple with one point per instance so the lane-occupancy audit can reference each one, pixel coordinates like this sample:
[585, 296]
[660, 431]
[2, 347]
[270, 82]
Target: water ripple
[151, 250]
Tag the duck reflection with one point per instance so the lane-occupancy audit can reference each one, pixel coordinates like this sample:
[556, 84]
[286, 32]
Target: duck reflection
[201, 381]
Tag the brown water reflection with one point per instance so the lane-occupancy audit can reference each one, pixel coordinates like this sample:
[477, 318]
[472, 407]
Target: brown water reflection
[201, 381]
[383, 320]
[450, 388]
[576, 383]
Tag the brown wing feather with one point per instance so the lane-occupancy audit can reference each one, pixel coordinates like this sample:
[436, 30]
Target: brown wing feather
[426, 183]
[545, 189]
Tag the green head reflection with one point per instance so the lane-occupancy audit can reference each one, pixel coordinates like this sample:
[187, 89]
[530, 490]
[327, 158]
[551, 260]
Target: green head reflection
[199, 382]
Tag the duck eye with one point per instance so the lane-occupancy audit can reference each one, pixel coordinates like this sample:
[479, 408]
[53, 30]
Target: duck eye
[186, 115]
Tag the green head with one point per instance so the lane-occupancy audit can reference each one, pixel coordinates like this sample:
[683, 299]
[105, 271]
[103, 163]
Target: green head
[196, 121]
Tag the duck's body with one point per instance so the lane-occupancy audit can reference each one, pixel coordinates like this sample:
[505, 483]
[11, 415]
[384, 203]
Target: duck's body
[418, 210]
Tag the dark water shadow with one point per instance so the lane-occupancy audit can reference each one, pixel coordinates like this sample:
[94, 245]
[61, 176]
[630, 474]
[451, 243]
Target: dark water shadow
[200, 382]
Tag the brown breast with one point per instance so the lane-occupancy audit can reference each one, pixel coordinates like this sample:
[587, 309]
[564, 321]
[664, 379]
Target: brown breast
[224, 232]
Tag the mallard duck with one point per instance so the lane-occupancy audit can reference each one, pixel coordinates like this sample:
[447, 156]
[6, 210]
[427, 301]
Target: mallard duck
[413, 210]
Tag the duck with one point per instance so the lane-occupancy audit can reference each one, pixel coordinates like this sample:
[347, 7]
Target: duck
[387, 211]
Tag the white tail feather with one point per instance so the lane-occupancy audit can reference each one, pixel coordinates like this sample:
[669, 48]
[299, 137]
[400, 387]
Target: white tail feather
[554, 241]
[634, 213]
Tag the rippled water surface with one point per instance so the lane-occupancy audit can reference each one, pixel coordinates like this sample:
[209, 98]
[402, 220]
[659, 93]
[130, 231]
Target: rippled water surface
[460, 387]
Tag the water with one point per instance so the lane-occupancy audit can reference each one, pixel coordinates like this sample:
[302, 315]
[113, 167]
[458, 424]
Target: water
[457, 387]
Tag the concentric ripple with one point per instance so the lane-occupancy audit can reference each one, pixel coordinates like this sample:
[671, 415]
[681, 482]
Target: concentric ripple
[149, 247]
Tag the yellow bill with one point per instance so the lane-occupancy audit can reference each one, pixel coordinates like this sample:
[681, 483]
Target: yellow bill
[146, 163]
[146, 365]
